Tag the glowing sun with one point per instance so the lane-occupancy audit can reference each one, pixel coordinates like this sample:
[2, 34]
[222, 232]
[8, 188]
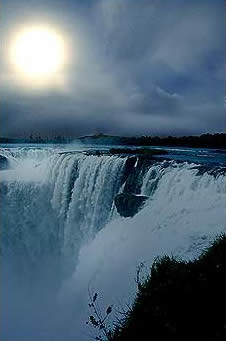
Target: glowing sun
[37, 52]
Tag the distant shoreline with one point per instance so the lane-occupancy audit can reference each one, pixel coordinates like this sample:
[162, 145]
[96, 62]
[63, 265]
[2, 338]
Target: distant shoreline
[216, 141]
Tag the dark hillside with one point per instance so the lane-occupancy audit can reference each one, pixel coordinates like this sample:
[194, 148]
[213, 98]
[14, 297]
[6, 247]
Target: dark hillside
[179, 298]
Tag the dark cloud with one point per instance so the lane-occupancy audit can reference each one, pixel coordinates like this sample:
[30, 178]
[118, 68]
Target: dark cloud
[153, 67]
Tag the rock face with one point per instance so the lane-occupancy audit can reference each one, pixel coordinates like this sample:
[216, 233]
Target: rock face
[129, 204]
[4, 162]
[135, 174]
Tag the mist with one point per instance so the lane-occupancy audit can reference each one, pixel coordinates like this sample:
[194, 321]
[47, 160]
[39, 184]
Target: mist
[44, 289]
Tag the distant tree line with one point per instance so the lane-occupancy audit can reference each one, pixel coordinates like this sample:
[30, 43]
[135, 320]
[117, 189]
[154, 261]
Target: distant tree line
[37, 138]
[217, 140]
[204, 141]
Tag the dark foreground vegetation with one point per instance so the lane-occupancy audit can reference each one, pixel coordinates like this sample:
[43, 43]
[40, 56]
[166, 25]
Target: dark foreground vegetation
[179, 298]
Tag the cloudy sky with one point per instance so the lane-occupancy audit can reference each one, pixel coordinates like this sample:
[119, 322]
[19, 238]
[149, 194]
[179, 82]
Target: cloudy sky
[133, 67]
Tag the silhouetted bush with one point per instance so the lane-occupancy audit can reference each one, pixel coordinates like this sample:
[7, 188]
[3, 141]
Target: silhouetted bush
[179, 299]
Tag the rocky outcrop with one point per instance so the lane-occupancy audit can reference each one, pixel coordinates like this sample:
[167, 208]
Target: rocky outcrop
[129, 204]
[136, 173]
[4, 162]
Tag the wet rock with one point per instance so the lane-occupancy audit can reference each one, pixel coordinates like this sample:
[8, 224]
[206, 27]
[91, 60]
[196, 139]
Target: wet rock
[129, 168]
[135, 177]
[129, 204]
[211, 170]
[4, 162]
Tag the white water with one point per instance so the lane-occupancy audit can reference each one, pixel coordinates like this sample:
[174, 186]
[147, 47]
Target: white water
[59, 237]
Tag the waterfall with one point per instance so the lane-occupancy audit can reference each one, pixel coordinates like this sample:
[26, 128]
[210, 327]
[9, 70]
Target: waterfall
[83, 188]
[60, 200]
[60, 231]
[65, 198]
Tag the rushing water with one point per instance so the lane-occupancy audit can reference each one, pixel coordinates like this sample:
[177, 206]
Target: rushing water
[61, 233]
